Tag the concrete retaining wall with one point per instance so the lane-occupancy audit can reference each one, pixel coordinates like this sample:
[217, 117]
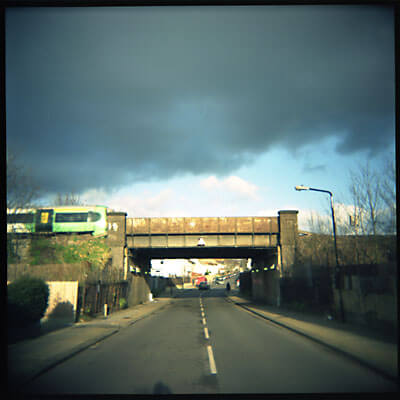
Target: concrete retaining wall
[371, 309]
[63, 300]
[265, 286]
[81, 272]
[369, 294]
[158, 284]
[139, 290]
[49, 272]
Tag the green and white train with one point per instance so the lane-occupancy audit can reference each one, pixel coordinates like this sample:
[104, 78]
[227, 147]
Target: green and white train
[63, 219]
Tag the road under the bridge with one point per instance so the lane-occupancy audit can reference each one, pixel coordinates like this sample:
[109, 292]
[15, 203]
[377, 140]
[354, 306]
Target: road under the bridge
[262, 259]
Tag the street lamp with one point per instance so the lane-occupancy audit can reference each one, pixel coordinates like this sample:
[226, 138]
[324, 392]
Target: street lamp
[302, 187]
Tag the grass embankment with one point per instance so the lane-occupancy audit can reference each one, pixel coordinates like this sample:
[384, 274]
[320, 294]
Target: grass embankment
[94, 251]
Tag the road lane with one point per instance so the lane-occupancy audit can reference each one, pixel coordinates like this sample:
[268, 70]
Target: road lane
[168, 352]
[256, 356]
[164, 353]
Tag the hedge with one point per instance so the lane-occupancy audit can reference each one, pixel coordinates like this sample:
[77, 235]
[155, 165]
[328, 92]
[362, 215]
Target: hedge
[27, 300]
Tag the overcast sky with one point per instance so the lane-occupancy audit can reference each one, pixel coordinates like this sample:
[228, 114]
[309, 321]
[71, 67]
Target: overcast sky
[199, 111]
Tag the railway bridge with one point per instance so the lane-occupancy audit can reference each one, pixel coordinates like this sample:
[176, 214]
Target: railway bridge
[268, 241]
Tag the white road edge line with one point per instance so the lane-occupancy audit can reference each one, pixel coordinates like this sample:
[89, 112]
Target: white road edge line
[213, 367]
[206, 333]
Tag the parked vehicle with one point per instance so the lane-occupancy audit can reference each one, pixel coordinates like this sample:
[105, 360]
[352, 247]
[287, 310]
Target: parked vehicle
[200, 279]
[204, 285]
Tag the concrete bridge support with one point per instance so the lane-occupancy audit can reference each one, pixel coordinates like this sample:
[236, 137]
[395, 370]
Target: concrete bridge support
[265, 279]
[267, 272]
[139, 289]
[139, 279]
[288, 232]
[116, 240]
[266, 286]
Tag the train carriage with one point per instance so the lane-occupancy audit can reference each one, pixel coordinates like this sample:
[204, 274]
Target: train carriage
[21, 220]
[64, 219]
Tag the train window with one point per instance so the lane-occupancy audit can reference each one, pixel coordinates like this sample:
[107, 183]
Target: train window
[71, 217]
[20, 218]
[93, 216]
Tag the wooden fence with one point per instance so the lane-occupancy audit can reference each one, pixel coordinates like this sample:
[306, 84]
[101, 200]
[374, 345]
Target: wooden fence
[93, 297]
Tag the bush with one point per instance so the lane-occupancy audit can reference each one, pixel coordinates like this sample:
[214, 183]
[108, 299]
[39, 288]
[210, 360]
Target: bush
[123, 303]
[27, 301]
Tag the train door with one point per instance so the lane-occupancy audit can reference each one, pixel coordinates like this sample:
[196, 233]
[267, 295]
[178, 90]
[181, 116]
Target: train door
[44, 221]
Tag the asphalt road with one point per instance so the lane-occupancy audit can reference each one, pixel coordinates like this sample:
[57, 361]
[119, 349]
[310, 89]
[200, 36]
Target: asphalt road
[207, 345]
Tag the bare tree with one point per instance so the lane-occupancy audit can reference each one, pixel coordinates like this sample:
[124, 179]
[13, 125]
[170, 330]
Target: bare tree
[372, 213]
[318, 224]
[68, 199]
[388, 194]
[316, 249]
[365, 188]
[22, 190]
[374, 199]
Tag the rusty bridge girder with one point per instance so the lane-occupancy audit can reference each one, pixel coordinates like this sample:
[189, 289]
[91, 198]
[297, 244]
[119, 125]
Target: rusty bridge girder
[213, 231]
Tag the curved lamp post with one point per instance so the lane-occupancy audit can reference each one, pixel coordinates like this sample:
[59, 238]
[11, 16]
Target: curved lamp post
[300, 188]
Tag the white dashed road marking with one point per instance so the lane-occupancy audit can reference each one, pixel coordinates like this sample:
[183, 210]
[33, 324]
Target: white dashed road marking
[206, 333]
[213, 367]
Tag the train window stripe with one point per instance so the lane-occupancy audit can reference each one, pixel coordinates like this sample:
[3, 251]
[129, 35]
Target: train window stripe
[20, 218]
[71, 217]
[94, 216]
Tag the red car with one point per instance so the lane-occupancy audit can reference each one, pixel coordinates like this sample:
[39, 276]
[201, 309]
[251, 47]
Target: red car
[201, 279]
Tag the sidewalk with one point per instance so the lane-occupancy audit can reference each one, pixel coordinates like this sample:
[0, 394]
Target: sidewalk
[367, 347]
[30, 358]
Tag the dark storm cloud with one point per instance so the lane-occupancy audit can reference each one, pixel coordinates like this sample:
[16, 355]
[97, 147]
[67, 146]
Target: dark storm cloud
[102, 97]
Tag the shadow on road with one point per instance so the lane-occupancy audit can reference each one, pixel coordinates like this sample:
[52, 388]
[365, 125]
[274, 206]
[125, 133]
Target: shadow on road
[213, 292]
[160, 388]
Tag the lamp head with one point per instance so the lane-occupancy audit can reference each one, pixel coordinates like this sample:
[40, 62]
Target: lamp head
[301, 187]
